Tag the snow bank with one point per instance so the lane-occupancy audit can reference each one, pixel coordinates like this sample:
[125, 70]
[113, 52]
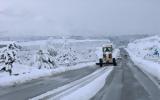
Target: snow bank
[149, 66]
[116, 53]
[88, 91]
[82, 89]
[28, 73]
[147, 48]
[145, 54]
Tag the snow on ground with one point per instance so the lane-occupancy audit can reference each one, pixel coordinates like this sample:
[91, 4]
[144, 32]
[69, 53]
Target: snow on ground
[145, 54]
[28, 73]
[80, 50]
[82, 89]
[85, 92]
[116, 53]
[90, 90]
[68, 54]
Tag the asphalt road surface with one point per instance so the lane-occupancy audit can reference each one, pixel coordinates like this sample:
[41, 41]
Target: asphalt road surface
[128, 82]
[40, 86]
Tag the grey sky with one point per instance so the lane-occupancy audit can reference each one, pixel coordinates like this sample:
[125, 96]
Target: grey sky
[52, 17]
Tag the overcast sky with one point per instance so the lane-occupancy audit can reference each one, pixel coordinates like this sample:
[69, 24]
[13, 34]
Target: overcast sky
[79, 17]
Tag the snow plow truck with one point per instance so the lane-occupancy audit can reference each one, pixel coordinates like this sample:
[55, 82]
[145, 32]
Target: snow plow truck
[105, 56]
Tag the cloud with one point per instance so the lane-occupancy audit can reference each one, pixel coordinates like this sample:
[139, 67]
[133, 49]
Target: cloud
[52, 17]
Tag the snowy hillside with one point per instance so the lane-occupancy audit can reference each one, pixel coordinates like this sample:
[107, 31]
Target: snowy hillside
[146, 54]
[35, 59]
[148, 48]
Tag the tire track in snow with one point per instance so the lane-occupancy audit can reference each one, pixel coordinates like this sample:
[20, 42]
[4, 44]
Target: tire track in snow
[69, 88]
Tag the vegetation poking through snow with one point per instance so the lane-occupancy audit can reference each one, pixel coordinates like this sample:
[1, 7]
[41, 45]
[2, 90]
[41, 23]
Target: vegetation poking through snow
[8, 56]
[52, 53]
[148, 48]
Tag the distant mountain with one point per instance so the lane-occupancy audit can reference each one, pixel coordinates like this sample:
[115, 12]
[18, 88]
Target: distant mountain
[28, 38]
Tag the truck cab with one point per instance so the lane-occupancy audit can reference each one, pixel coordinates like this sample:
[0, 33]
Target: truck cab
[107, 57]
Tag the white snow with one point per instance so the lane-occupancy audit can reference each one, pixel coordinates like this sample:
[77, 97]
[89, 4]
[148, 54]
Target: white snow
[28, 73]
[6, 42]
[85, 92]
[99, 52]
[88, 91]
[59, 41]
[143, 54]
[116, 53]
[78, 54]
[81, 50]
[81, 89]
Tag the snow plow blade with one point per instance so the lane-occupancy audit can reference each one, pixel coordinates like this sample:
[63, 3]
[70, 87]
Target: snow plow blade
[105, 63]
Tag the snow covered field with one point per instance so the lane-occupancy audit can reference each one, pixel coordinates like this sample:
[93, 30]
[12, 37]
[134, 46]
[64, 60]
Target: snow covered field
[146, 54]
[66, 51]
[65, 54]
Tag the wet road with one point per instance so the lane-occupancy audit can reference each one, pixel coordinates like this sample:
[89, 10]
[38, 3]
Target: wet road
[40, 86]
[128, 82]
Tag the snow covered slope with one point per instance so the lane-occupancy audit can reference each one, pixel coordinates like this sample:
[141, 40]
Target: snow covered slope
[148, 48]
[146, 54]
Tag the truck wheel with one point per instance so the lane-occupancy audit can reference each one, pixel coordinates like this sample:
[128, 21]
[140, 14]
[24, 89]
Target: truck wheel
[114, 62]
[101, 62]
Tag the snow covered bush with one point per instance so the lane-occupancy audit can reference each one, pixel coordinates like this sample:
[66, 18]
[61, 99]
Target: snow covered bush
[67, 56]
[50, 56]
[44, 60]
[52, 53]
[148, 48]
[153, 52]
[145, 54]
[8, 56]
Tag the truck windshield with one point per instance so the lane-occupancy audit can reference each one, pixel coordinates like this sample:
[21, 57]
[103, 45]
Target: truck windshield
[107, 49]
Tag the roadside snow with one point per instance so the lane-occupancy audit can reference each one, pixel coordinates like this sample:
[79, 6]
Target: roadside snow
[88, 91]
[28, 73]
[149, 66]
[145, 53]
[82, 89]
[116, 53]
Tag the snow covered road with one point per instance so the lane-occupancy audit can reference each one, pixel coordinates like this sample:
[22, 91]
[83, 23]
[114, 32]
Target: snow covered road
[42, 85]
[128, 82]
[79, 89]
